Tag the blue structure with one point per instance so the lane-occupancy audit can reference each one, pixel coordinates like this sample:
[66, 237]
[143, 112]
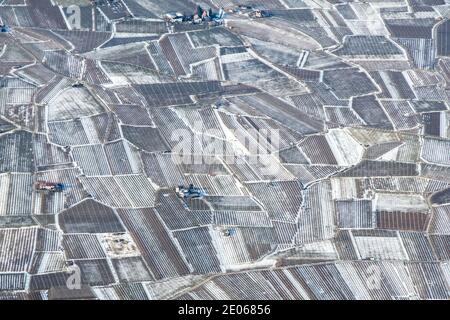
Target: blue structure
[228, 232]
[217, 17]
[198, 17]
[59, 187]
[4, 28]
[189, 193]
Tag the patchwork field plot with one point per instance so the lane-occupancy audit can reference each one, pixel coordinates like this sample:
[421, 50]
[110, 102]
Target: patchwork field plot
[278, 149]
